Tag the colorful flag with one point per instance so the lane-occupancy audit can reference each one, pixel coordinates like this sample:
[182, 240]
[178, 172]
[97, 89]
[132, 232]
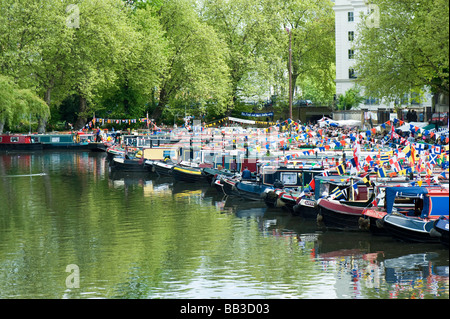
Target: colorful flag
[341, 169]
[381, 172]
[312, 184]
[355, 188]
[384, 158]
[337, 193]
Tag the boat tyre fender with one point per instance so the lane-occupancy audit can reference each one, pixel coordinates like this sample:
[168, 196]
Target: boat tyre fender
[319, 218]
[363, 223]
[433, 231]
[380, 223]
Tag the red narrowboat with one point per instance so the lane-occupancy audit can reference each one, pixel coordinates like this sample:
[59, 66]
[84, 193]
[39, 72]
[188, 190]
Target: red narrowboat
[19, 142]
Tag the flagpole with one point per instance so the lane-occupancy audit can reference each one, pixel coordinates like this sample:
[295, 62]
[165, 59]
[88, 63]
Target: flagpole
[290, 72]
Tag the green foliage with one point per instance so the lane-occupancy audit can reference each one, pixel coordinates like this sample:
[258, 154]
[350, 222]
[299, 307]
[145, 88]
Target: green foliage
[350, 99]
[196, 71]
[17, 103]
[408, 51]
[126, 58]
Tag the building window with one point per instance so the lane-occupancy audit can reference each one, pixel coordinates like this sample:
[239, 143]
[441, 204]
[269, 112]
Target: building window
[351, 54]
[372, 101]
[351, 73]
[351, 35]
[350, 16]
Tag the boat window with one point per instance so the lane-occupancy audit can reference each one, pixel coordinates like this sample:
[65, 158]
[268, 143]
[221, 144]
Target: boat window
[1, 139]
[55, 139]
[324, 189]
[288, 178]
[14, 139]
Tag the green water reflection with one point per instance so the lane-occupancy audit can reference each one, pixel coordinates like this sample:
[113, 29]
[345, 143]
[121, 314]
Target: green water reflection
[135, 236]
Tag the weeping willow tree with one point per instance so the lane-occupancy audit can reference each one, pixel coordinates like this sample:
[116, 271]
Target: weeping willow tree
[18, 104]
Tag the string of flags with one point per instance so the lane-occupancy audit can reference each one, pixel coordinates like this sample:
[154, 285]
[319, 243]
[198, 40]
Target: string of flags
[103, 121]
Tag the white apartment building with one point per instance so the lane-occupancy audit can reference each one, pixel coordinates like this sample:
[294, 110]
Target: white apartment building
[347, 16]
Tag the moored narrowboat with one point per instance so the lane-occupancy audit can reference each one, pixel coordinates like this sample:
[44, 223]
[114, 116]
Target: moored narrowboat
[20, 142]
[413, 221]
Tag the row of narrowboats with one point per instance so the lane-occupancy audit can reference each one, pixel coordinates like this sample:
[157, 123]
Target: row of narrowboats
[395, 207]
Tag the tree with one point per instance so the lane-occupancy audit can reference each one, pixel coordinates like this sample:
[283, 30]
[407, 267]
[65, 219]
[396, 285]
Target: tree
[17, 103]
[248, 29]
[141, 70]
[98, 49]
[407, 51]
[313, 48]
[350, 99]
[196, 68]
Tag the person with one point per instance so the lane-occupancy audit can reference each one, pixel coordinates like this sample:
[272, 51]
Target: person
[98, 137]
[246, 174]
[408, 116]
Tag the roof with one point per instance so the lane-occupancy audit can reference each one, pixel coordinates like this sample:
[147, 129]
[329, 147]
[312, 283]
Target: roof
[412, 192]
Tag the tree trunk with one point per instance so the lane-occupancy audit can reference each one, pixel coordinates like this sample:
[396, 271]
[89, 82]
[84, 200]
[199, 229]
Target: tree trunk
[42, 121]
[81, 120]
[163, 99]
[126, 102]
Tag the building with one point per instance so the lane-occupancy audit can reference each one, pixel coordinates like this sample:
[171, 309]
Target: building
[347, 16]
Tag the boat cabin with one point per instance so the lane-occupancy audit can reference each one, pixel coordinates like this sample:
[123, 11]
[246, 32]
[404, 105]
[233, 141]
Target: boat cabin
[16, 139]
[291, 177]
[424, 202]
[324, 185]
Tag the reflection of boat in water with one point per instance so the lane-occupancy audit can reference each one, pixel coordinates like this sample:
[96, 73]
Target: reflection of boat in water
[251, 212]
[414, 268]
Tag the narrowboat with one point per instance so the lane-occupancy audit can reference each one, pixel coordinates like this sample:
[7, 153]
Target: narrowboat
[63, 141]
[188, 174]
[19, 142]
[277, 177]
[345, 214]
[307, 204]
[227, 185]
[414, 222]
[127, 164]
[292, 181]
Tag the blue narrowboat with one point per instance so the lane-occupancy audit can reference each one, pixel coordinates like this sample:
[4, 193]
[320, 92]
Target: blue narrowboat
[419, 208]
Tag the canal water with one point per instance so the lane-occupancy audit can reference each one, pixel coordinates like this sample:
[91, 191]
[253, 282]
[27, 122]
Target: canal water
[70, 228]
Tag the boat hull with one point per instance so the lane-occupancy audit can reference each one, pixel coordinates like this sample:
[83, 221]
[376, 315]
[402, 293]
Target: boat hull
[129, 165]
[162, 169]
[336, 215]
[22, 147]
[251, 190]
[229, 187]
[306, 208]
[189, 175]
[409, 229]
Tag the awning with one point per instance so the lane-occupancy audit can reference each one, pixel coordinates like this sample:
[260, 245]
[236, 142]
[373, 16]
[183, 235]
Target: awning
[235, 119]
